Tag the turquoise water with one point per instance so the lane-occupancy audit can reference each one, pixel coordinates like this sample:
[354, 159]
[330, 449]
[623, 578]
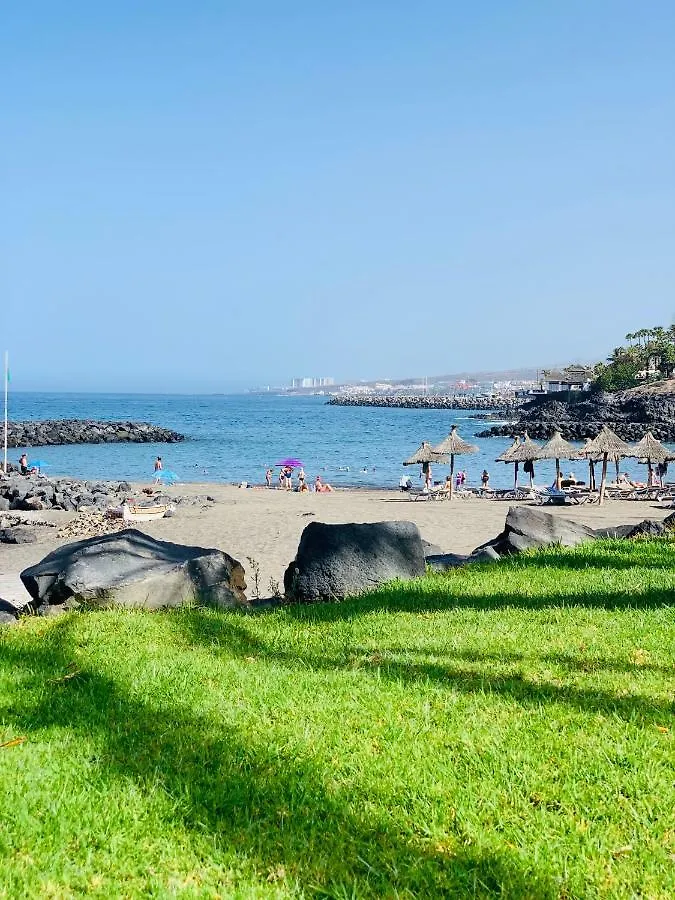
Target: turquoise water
[235, 437]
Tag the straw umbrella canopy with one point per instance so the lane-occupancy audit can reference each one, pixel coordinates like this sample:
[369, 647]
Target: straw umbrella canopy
[557, 448]
[607, 444]
[592, 459]
[424, 456]
[651, 450]
[519, 451]
[453, 446]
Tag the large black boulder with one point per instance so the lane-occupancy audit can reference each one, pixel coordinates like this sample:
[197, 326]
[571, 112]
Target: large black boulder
[527, 527]
[8, 612]
[336, 561]
[129, 568]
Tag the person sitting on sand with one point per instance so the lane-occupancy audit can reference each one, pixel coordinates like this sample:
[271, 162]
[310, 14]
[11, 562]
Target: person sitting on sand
[303, 487]
[405, 483]
[320, 487]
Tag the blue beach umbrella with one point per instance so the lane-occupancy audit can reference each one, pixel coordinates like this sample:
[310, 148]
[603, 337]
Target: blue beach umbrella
[165, 475]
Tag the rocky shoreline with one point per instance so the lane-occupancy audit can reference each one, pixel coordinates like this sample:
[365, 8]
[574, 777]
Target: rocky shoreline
[38, 492]
[629, 413]
[82, 431]
[424, 401]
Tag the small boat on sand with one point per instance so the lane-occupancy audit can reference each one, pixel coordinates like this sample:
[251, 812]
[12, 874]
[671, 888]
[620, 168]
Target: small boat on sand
[131, 512]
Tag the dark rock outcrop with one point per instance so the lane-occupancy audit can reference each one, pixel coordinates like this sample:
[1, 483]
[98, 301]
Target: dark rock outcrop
[628, 413]
[81, 431]
[130, 568]
[336, 561]
[527, 527]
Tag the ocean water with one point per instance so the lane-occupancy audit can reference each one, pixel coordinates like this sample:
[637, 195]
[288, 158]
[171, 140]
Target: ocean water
[233, 438]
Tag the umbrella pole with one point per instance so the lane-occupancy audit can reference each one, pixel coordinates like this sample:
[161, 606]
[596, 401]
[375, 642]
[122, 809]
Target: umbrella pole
[604, 478]
[649, 472]
[452, 471]
[515, 482]
[532, 476]
[591, 475]
[557, 474]
[617, 468]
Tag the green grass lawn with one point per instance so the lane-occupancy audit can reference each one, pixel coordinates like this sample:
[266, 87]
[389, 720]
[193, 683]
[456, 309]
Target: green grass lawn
[502, 730]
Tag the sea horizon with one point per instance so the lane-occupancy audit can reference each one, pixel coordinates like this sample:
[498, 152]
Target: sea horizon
[235, 437]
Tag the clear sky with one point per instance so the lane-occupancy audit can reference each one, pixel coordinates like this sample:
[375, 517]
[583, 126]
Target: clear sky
[199, 195]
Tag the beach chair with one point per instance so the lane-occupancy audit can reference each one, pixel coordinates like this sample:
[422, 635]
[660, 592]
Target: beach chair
[549, 497]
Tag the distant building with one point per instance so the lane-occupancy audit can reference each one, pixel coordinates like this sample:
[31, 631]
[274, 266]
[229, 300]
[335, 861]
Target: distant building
[572, 378]
[311, 382]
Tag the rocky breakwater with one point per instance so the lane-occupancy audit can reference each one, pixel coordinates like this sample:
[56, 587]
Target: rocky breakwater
[507, 406]
[81, 431]
[38, 492]
[628, 413]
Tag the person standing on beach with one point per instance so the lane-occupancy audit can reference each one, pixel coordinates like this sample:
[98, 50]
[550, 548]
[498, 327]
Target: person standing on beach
[485, 479]
[301, 478]
[288, 478]
[268, 477]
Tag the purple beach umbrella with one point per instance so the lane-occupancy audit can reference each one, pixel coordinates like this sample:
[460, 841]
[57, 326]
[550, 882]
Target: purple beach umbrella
[291, 463]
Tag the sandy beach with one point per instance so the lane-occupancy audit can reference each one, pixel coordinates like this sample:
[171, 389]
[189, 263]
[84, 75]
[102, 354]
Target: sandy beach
[265, 525]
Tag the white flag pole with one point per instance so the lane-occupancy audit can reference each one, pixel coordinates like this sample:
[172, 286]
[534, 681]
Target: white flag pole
[6, 391]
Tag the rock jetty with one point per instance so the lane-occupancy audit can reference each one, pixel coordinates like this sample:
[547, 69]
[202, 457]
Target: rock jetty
[628, 413]
[38, 492]
[505, 405]
[80, 431]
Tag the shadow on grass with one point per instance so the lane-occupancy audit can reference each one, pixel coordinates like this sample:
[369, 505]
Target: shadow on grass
[456, 672]
[252, 800]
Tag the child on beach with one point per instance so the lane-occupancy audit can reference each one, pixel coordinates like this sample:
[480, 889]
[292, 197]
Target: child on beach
[268, 477]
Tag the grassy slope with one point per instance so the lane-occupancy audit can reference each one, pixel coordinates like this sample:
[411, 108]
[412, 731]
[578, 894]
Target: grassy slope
[502, 730]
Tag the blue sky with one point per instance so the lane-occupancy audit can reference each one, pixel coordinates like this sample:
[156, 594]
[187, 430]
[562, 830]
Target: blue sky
[204, 195]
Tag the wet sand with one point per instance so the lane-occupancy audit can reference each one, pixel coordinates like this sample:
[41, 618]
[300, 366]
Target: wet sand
[265, 525]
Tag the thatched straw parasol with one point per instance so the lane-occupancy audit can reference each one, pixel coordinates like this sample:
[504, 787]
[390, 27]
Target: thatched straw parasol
[557, 448]
[653, 451]
[607, 444]
[454, 446]
[592, 459]
[520, 451]
[424, 456]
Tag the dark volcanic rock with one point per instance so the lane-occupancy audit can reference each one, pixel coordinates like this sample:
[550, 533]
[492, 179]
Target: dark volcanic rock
[336, 561]
[77, 431]
[647, 528]
[17, 535]
[8, 612]
[527, 527]
[441, 562]
[129, 568]
[628, 413]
